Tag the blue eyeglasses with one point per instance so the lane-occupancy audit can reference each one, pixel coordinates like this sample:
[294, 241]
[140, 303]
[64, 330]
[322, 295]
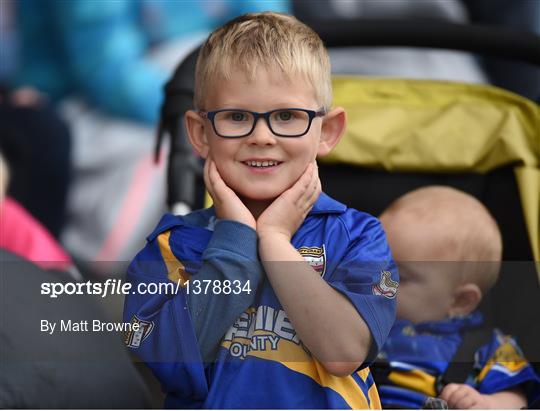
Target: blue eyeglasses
[283, 122]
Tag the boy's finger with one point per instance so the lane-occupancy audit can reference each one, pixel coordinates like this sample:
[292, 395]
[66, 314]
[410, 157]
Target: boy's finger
[316, 192]
[298, 191]
[313, 192]
[315, 175]
[315, 179]
[221, 189]
[214, 174]
[307, 176]
[215, 181]
[314, 184]
[206, 171]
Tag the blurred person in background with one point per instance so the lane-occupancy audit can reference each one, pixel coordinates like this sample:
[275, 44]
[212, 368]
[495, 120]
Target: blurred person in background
[524, 15]
[103, 65]
[401, 62]
[36, 143]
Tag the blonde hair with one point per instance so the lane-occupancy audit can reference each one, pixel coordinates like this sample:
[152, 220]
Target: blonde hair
[268, 40]
[463, 225]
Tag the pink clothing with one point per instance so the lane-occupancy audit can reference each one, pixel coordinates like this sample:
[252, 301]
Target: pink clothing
[23, 235]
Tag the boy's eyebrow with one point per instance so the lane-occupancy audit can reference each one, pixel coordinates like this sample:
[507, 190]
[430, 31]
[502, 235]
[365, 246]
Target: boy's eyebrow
[269, 107]
[278, 104]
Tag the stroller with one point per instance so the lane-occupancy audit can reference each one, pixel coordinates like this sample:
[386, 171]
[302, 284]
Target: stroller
[404, 134]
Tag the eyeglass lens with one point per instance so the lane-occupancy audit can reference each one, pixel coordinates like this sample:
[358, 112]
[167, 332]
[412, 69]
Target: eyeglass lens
[283, 122]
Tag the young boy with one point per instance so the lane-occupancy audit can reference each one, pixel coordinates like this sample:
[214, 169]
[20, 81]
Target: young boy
[448, 248]
[321, 276]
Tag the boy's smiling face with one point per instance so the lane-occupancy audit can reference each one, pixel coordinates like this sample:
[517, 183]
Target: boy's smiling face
[234, 156]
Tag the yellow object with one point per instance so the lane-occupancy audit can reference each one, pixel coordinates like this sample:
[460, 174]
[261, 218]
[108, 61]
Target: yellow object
[436, 126]
[175, 269]
[415, 380]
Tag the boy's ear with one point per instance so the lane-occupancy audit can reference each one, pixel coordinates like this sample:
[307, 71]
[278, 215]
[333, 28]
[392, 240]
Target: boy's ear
[333, 128]
[466, 298]
[196, 132]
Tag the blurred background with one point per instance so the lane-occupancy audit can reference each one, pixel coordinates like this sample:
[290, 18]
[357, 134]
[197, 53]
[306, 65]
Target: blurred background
[82, 88]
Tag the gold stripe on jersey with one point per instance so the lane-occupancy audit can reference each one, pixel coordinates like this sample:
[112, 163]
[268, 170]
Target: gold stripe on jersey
[294, 357]
[415, 380]
[175, 269]
[374, 399]
[506, 355]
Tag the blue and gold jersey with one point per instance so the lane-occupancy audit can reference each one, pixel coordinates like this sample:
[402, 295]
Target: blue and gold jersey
[261, 362]
[418, 354]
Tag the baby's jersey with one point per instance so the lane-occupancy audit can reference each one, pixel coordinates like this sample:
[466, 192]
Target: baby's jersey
[261, 362]
[418, 354]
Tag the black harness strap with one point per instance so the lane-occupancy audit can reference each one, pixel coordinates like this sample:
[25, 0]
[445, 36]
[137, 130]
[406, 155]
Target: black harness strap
[463, 361]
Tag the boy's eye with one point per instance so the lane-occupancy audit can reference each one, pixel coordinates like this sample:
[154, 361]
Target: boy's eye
[284, 115]
[238, 116]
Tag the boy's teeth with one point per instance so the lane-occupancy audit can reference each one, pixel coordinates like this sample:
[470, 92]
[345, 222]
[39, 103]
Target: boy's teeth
[261, 163]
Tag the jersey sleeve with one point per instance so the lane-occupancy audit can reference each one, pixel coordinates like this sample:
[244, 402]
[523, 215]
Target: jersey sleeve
[230, 261]
[165, 337]
[501, 365]
[181, 329]
[368, 277]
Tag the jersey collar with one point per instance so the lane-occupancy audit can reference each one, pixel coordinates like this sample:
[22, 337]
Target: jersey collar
[327, 205]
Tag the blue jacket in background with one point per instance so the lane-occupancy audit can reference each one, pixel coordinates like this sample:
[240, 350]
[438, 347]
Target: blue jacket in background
[98, 49]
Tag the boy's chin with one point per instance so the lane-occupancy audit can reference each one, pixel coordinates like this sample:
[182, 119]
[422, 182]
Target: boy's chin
[258, 195]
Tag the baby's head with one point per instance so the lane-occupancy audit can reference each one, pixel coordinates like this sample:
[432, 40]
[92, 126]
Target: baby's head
[264, 63]
[448, 248]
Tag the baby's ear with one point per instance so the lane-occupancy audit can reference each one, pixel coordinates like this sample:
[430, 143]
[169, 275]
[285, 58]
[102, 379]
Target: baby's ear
[466, 298]
[333, 128]
[196, 132]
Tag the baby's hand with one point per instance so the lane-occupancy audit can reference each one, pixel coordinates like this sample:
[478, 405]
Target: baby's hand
[464, 397]
[287, 213]
[227, 204]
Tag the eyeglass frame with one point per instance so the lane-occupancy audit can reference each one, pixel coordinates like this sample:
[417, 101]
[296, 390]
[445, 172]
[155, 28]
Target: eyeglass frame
[312, 114]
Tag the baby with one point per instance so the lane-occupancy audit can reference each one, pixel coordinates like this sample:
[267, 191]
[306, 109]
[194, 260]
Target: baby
[448, 248]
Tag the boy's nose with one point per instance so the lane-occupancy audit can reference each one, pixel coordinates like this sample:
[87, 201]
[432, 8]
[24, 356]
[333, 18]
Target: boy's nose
[262, 134]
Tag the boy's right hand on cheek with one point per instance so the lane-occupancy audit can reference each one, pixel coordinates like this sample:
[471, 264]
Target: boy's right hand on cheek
[287, 213]
[226, 203]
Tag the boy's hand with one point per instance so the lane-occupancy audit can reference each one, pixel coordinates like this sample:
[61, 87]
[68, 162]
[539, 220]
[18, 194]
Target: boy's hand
[227, 204]
[287, 213]
[464, 397]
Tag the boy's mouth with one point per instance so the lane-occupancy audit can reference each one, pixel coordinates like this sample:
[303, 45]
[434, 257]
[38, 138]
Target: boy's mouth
[262, 163]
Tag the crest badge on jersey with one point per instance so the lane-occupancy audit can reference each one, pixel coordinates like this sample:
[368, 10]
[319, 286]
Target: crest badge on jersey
[386, 286]
[133, 339]
[316, 258]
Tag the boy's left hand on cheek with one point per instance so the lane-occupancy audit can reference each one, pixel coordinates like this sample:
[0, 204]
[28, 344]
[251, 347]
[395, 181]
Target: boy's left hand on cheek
[287, 213]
